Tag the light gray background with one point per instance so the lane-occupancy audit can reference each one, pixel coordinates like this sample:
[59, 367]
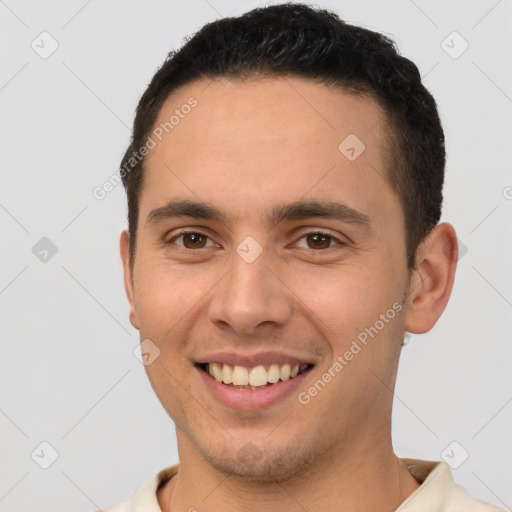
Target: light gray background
[68, 373]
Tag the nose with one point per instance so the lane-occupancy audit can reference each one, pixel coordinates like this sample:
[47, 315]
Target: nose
[251, 297]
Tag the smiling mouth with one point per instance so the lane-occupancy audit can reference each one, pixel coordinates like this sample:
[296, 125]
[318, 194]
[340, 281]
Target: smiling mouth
[256, 378]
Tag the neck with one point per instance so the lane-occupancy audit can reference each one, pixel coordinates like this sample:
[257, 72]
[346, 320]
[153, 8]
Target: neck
[367, 479]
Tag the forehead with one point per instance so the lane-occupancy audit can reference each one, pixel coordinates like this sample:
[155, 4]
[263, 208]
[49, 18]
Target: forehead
[263, 110]
[267, 137]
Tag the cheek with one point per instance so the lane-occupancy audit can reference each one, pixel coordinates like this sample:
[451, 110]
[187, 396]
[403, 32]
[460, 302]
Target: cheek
[359, 312]
[165, 295]
[346, 299]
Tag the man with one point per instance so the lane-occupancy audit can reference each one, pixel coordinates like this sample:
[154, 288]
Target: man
[284, 186]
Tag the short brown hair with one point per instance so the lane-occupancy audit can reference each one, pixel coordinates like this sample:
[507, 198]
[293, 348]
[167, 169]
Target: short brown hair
[299, 40]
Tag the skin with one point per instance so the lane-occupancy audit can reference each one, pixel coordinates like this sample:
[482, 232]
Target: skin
[245, 148]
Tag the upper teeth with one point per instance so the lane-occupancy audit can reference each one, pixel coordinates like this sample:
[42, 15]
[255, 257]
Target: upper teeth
[257, 376]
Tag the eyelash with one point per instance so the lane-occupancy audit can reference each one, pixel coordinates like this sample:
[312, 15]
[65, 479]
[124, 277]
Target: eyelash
[316, 232]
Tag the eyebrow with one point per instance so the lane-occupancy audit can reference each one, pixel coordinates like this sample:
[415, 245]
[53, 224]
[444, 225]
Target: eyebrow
[299, 210]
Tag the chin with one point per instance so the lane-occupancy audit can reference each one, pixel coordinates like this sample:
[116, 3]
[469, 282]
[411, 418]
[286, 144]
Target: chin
[260, 463]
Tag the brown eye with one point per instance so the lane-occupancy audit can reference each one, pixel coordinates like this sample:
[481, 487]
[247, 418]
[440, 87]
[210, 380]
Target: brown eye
[319, 241]
[190, 240]
[193, 240]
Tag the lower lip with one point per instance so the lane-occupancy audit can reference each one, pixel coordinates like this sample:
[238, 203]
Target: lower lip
[248, 399]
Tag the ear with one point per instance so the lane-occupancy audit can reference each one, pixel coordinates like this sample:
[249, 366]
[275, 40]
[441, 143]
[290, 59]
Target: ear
[432, 278]
[124, 246]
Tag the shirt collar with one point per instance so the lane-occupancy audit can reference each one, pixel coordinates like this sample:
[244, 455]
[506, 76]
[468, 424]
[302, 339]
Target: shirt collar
[435, 478]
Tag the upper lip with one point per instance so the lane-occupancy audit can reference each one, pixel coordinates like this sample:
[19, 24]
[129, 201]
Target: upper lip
[252, 360]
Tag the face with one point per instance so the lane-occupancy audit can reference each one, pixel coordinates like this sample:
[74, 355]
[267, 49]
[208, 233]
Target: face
[294, 254]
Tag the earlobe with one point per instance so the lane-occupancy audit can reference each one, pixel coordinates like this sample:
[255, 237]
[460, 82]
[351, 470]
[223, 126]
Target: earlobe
[124, 247]
[432, 279]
